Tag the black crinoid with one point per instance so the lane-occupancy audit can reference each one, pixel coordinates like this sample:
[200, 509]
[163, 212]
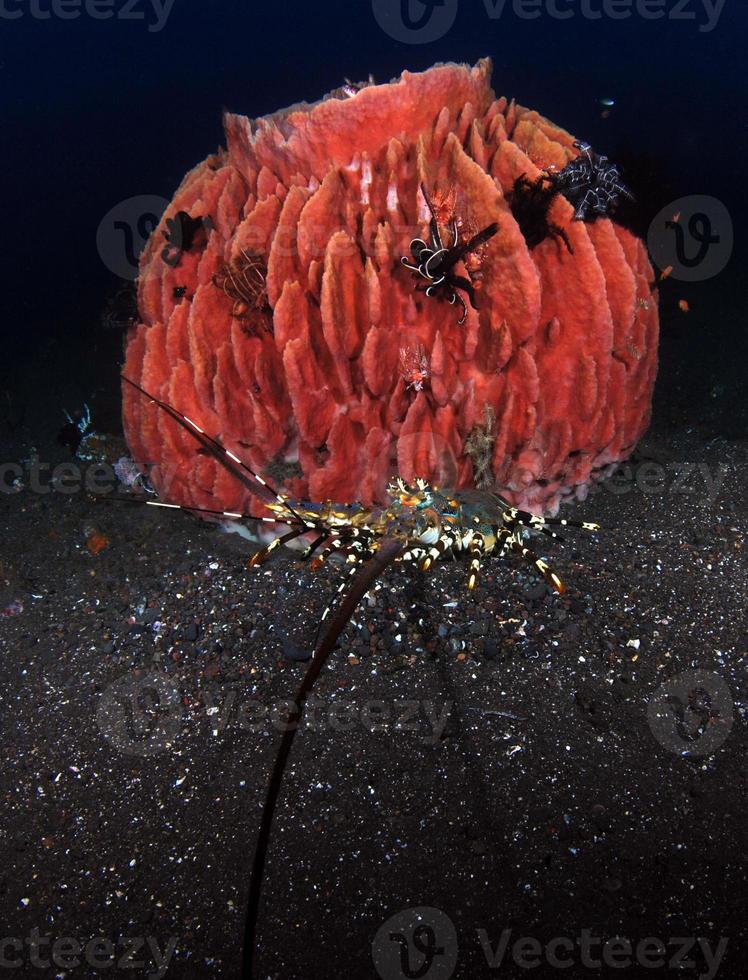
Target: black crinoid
[182, 234]
[530, 202]
[435, 262]
[591, 184]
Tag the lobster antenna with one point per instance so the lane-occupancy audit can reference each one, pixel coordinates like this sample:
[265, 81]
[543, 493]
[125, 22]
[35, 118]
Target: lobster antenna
[224, 457]
[388, 550]
[189, 509]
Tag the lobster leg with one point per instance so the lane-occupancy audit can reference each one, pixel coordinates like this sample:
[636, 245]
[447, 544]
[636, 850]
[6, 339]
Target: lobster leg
[314, 545]
[442, 546]
[477, 550]
[545, 570]
[414, 555]
[353, 558]
[259, 557]
[338, 545]
[539, 523]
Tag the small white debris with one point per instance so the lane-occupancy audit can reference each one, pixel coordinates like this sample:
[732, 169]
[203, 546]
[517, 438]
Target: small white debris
[633, 643]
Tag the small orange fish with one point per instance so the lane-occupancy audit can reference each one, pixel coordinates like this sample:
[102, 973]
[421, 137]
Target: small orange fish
[96, 542]
[683, 306]
[665, 273]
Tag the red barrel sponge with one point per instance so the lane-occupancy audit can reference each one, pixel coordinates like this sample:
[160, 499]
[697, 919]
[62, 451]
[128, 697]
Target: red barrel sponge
[277, 313]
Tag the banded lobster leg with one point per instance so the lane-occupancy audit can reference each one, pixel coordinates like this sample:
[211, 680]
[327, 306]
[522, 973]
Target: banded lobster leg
[509, 534]
[438, 550]
[260, 556]
[512, 514]
[336, 546]
[477, 550]
[317, 543]
[515, 545]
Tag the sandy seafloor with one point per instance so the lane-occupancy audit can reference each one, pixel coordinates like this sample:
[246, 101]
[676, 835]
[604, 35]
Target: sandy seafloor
[552, 795]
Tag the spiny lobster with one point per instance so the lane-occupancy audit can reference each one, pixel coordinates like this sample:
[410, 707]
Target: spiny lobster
[420, 525]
